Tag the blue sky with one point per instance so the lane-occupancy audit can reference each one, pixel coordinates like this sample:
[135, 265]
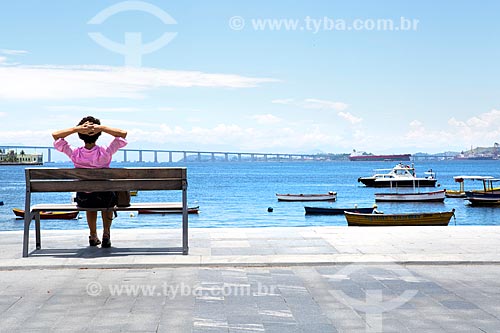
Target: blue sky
[217, 86]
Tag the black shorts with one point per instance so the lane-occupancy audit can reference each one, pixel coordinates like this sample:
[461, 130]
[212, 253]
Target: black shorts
[96, 199]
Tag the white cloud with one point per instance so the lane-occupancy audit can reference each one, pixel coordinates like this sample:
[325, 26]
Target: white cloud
[165, 108]
[71, 82]
[312, 103]
[266, 119]
[234, 137]
[288, 137]
[194, 120]
[480, 130]
[230, 137]
[13, 52]
[91, 109]
[350, 117]
[321, 104]
[26, 137]
[4, 60]
[420, 138]
[285, 101]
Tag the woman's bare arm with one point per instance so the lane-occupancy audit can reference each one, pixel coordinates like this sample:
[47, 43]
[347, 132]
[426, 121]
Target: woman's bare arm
[116, 132]
[84, 129]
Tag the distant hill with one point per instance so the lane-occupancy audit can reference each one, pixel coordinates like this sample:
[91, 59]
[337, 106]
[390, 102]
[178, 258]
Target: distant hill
[483, 150]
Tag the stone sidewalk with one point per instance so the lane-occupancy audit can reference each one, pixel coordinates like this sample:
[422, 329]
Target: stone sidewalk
[146, 248]
[318, 279]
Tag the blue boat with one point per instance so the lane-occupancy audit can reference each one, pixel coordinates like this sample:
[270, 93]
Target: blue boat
[337, 211]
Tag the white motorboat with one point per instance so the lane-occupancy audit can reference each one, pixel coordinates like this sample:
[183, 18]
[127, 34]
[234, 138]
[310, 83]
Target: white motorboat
[435, 196]
[401, 175]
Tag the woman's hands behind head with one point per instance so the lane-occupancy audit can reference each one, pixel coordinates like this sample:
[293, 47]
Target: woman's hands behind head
[89, 128]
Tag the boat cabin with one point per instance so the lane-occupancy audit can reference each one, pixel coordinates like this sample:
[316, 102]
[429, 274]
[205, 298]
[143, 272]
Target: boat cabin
[400, 170]
[488, 185]
[460, 193]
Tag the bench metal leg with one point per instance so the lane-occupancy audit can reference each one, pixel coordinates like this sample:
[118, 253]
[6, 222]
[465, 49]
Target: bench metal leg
[37, 231]
[185, 221]
[26, 237]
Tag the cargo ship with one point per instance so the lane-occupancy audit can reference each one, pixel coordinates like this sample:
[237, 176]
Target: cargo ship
[362, 156]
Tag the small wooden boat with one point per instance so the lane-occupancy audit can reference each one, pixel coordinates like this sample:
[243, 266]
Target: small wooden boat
[409, 219]
[337, 211]
[460, 193]
[133, 193]
[435, 196]
[49, 215]
[488, 196]
[173, 210]
[330, 196]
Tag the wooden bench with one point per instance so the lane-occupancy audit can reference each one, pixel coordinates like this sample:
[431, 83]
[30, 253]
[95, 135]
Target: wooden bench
[39, 180]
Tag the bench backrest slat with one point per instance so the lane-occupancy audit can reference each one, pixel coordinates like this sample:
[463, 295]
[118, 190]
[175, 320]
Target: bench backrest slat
[105, 185]
[103, 174]
[113, 179]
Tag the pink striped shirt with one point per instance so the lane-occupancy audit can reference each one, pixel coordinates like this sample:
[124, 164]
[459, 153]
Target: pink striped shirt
[95, 158]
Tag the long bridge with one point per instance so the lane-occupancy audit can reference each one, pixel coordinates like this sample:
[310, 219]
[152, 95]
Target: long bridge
[161, 155]
[141, 155]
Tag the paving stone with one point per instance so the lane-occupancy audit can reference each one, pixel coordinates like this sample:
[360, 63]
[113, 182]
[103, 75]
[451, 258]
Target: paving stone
[458, 305]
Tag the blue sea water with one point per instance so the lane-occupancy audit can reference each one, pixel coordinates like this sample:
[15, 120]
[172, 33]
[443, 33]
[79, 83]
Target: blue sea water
[238, 194]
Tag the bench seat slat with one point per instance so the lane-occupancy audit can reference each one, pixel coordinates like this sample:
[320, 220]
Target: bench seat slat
[132, 207]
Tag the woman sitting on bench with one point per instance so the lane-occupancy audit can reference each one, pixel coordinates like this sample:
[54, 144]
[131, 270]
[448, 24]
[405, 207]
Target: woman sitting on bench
[91, 156]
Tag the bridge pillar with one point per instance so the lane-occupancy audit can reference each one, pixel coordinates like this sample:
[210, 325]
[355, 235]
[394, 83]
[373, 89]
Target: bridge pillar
[185, 157]
[49, 156]
[124, 156]
[252, 157]
[226, 157]
[213, 157]
[170, 156]
[199, 157]
[156, 156]
[265, 157]
[140, 155]
[239, 157]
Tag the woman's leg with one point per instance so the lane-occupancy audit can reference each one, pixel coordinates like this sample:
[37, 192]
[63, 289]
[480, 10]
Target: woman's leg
[107, 219]
[92, 223]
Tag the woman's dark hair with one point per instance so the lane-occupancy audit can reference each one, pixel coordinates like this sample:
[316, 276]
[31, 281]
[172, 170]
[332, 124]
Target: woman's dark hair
[89, 138]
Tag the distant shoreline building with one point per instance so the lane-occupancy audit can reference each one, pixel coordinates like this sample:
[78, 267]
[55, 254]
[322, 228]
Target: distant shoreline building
[480, 153]
[362, 156]
[13, 158]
